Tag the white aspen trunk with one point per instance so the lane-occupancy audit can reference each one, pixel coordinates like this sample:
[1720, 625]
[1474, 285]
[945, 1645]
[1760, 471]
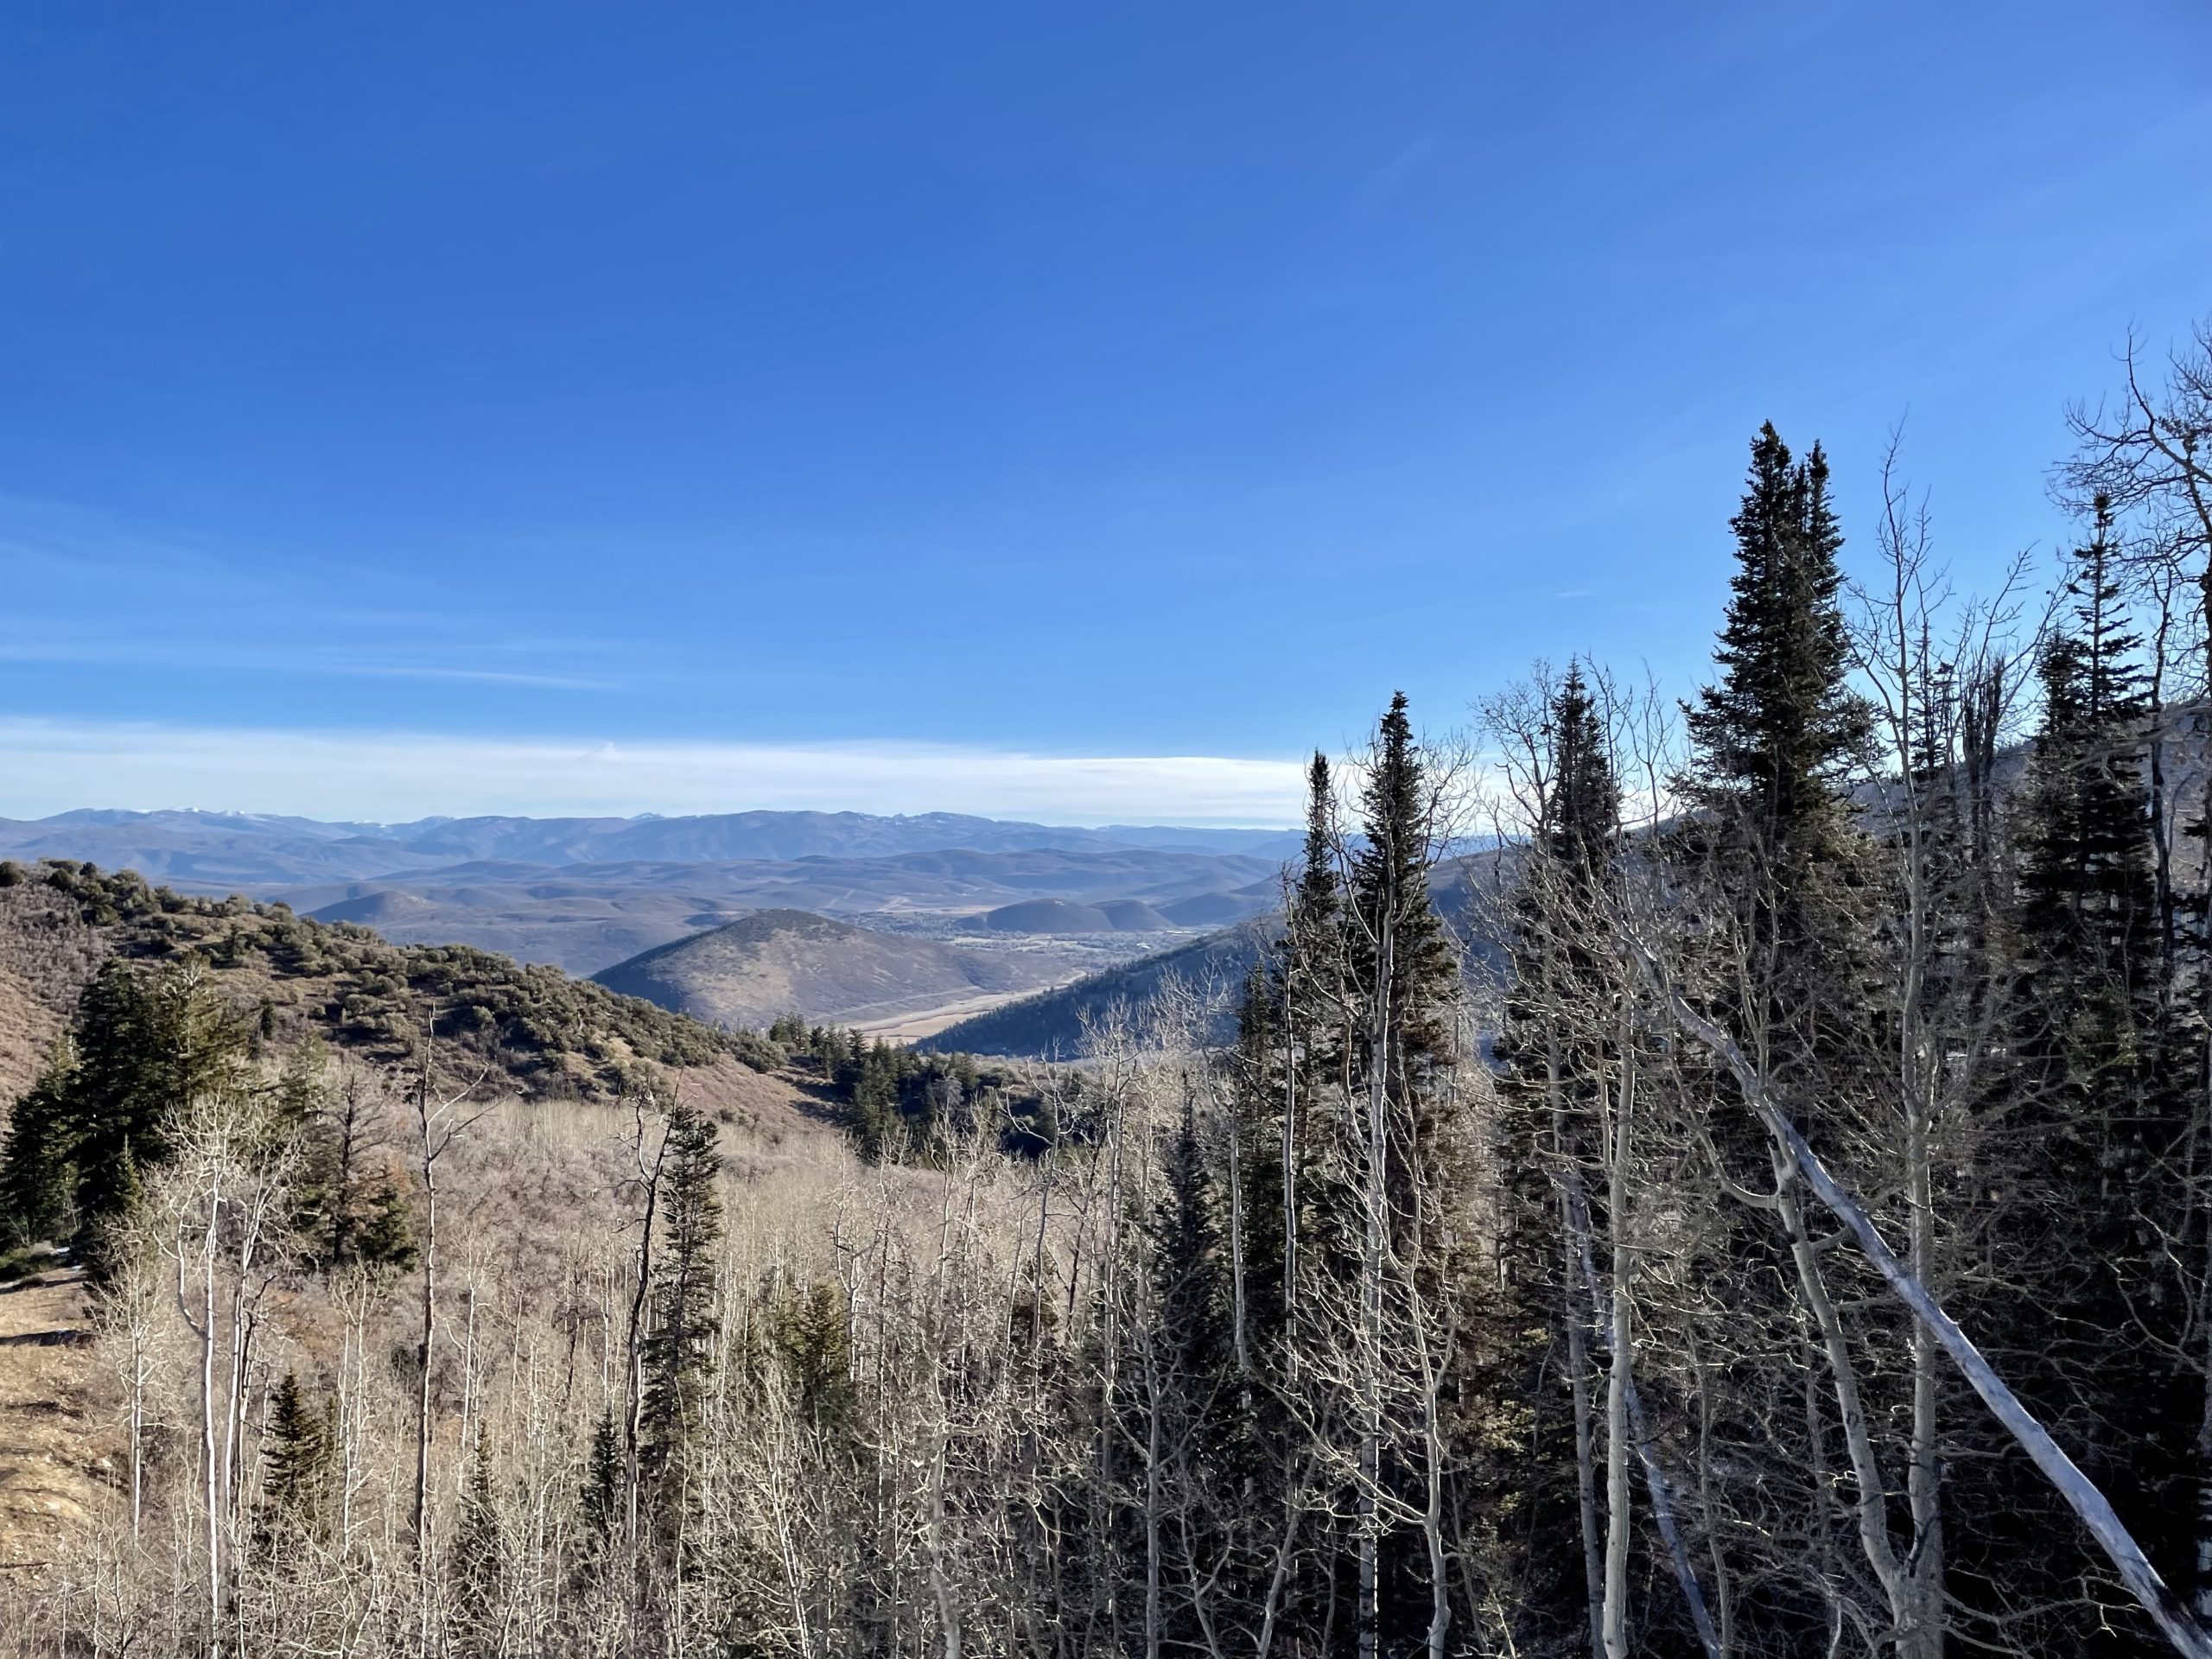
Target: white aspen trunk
[948, 1604]
[634, 1365]
[425, 1351]
[1923, 1636]
[1724, 1584]
[1153, 1453]
[468, 1367]
[141, 1368]
[1108, 1403]
[242, 1328]
[1237, 1247]
[203, 1328]
[1572, 1248]
[1870, 1508]
[349, 1409]
[211, 1478]
[1278, 1581]
[422, 1352]
[1585, 1473]
[1432, 1522]
[1290, 1173]
[1925, 1476]
[1618, 1515]
[1654, 1478]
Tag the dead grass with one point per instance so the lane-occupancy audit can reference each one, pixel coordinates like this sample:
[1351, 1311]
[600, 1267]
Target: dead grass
[60, 1447]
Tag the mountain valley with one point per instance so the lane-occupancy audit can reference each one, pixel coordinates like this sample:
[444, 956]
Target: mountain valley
[933, 918]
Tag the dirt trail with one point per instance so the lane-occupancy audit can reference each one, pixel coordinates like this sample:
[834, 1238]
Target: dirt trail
[56, 1459]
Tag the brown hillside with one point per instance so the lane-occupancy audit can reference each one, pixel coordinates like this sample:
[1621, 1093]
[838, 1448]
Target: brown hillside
[776, 962]
[529, 1031]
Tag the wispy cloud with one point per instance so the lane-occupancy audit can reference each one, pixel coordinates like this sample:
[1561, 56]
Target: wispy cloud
[349, 665]
[169, 601]
[51, 766]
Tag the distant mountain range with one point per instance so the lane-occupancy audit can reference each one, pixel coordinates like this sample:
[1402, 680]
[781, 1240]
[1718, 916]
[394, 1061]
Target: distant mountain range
[204, 851]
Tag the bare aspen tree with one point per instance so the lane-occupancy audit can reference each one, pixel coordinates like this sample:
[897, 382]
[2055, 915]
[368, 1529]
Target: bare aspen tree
[1795, 1154]
[439, 1122]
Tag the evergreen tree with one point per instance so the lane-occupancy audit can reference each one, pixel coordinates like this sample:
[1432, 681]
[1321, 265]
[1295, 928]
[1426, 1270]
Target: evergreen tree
[602, 1490]
[38, 1175]
[144, 1043]
[385, 1241]
[679, 1347]
[1792, 887]
[1581, 814]
[1189, 1294]
[295, 1465]
[1297, 1216]
[1538, 1477]
[1410, 1162]
[478, 1569]
[1293, 1038]
[1390, 904]
[2088, 907]
[813, 1340]
[2090, 1140]
[1775, 740]
[1776, 735]
[1318, 897]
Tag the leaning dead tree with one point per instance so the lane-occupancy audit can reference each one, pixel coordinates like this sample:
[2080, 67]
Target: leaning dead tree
[2180, 1624]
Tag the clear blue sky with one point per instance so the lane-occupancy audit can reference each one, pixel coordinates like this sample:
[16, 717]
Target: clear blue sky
[1120, 381]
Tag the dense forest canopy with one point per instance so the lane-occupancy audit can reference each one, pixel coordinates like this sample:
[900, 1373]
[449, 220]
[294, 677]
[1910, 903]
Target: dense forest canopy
[1801, 1245]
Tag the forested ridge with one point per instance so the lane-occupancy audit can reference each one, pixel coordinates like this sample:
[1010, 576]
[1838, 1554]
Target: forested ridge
[1799, 1241]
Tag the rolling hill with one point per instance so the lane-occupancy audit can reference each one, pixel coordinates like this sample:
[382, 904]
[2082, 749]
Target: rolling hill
[586, 917]
[747, 972]
[1050, 1025]
[542, 1034]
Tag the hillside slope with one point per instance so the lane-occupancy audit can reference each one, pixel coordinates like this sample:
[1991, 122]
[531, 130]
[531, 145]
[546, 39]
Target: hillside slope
[1051, 1025]
[531, 1031]
[776, 962]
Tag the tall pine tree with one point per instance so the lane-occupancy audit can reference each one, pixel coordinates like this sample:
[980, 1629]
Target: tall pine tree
[296, 1459]
[1775, 740]
[1542, 1484]
[2090, 1155]
[679, 1347]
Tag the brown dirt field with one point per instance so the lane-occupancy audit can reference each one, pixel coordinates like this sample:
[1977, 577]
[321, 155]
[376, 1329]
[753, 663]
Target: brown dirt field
[905, 1028]
[778, 1104]
[59, 1451]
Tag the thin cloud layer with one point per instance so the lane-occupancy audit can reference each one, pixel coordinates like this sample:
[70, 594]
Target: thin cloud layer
[50, 766]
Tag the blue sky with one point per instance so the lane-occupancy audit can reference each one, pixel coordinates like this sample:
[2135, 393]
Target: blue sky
[1022, 385]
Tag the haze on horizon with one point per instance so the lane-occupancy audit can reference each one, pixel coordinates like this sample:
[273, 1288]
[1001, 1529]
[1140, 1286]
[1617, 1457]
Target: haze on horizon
[1071, 417]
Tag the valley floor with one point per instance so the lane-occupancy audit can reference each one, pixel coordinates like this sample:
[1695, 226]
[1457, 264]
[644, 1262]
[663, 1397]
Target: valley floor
[905, 1028]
